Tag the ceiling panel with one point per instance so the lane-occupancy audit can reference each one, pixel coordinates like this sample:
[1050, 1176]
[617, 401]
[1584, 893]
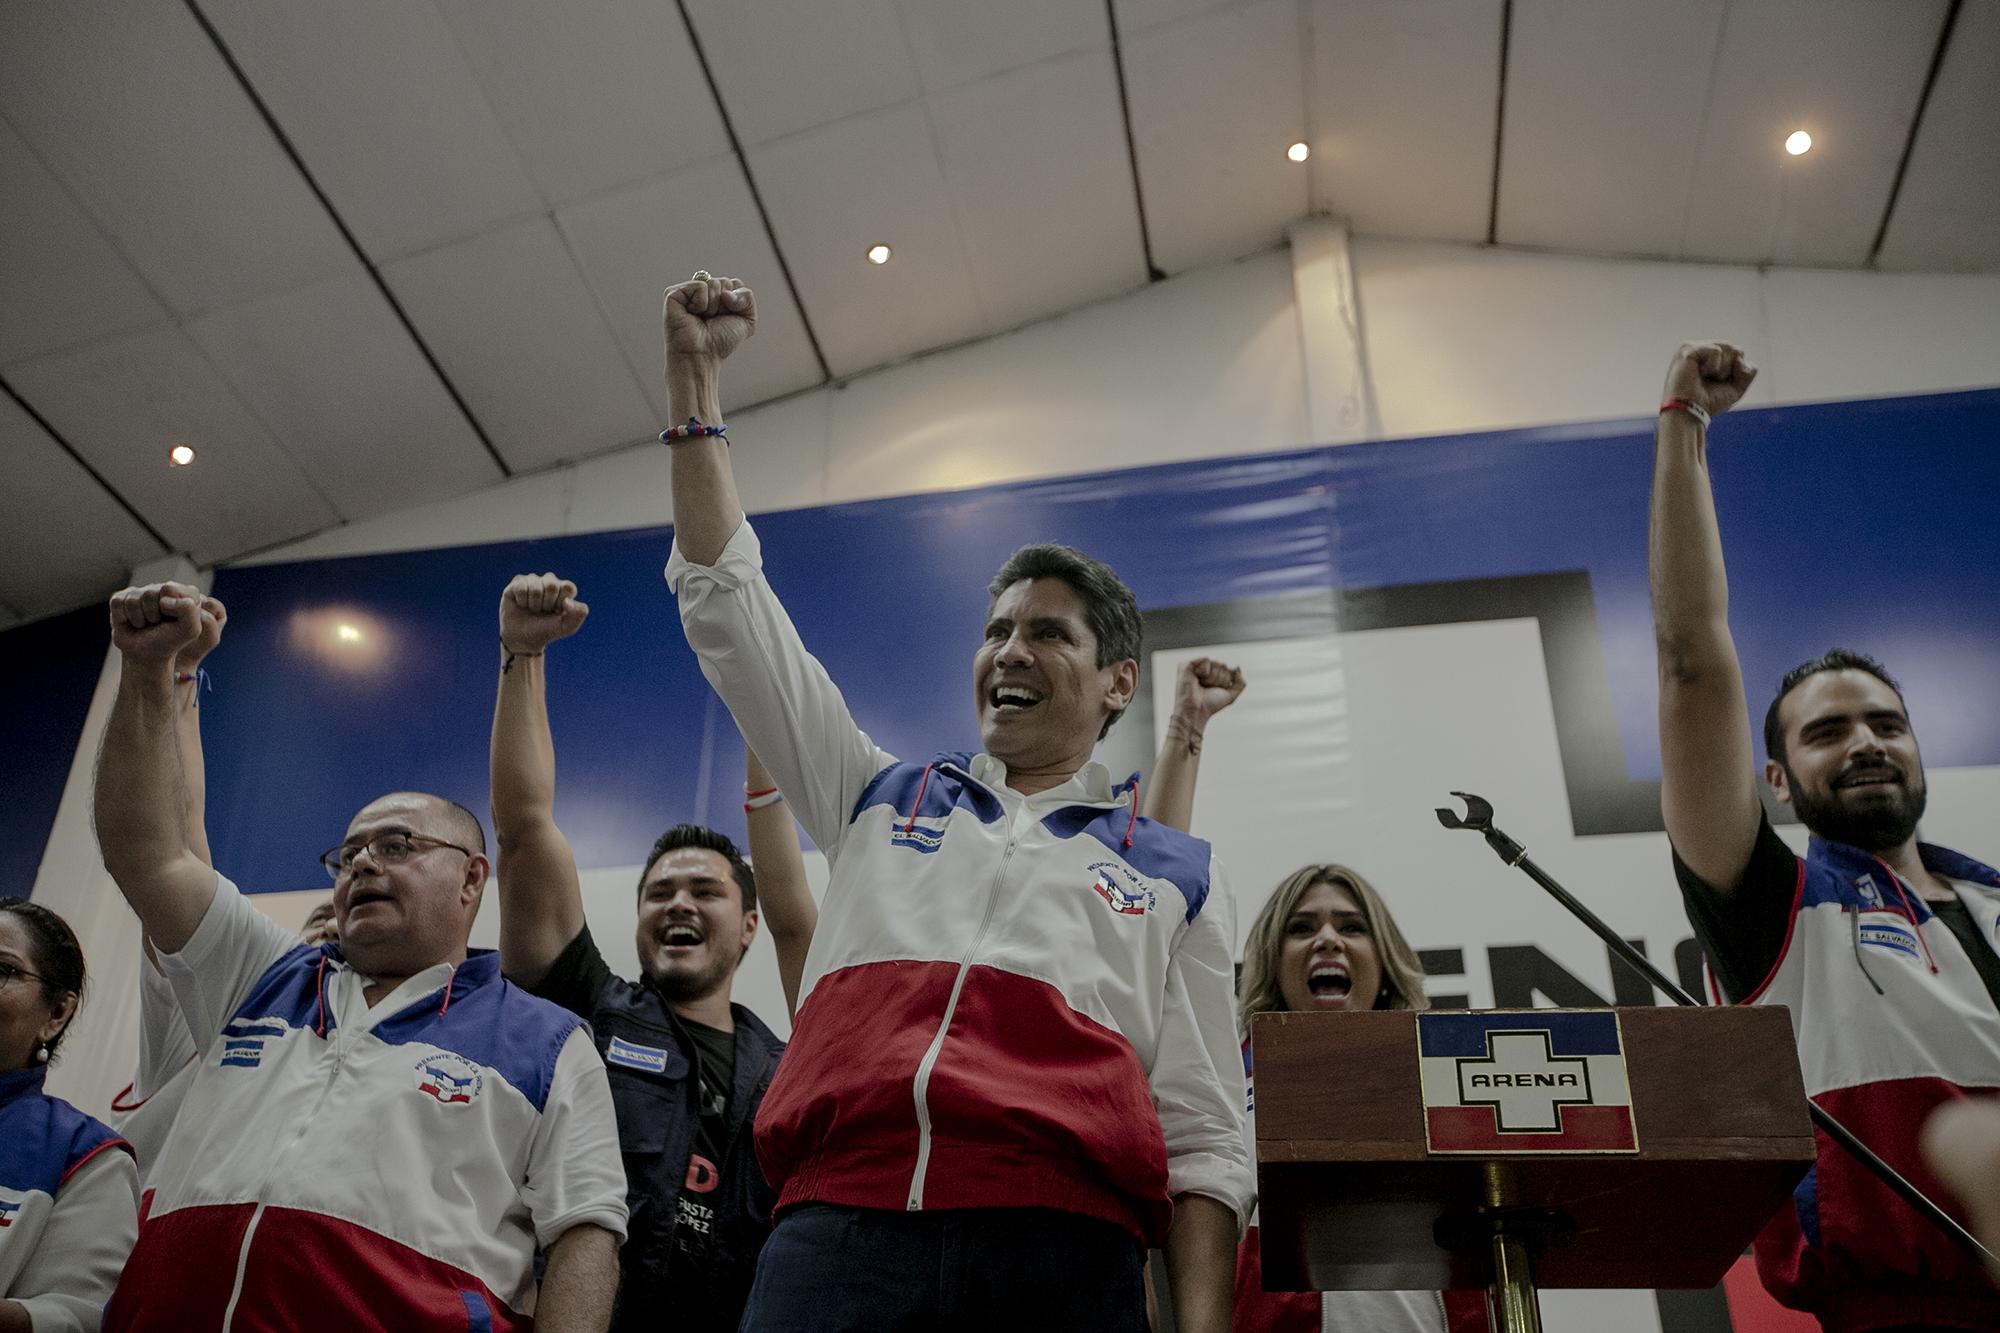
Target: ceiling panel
[1847, 71]
[386, 114]
[633, 245]
[1392, 163]
[1604, 112]
[837, 190]
[61, 283]
[121, 403]
[1137, 15]
[1946, 216]
[782, 68]
[593, 94]
[343, 388]
[48, 494]
[520, 335]
[1013, 143]
[957, 41]
[129, 104]
[1216, 99]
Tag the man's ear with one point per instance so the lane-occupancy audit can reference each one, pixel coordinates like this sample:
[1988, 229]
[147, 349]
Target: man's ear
[1124, 684]
[1774, 773]
[477, 871]
[749, 927]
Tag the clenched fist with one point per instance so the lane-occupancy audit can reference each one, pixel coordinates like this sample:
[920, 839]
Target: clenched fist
[1204, 688]
[1712, 376]
[707, 319]
[213, 619]
[536, 610]
[156, 622]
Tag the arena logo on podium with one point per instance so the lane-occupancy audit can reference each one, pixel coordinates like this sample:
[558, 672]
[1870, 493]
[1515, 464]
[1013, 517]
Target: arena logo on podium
[1530, 1081]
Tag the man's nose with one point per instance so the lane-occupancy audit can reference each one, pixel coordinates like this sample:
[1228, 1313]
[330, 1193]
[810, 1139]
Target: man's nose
[1014, 649]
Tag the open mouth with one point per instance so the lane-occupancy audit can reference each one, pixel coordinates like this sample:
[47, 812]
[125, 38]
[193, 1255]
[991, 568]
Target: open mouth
[1870, 777]
[360, 898]
[1006, 699]
[681, 937]
[1329, 983]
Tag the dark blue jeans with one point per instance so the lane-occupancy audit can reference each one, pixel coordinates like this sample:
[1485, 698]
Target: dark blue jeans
[1003, 1270]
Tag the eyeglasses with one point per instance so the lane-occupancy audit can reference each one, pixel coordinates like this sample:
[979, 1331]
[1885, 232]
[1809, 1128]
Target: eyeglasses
[388, 849]
[9, 974]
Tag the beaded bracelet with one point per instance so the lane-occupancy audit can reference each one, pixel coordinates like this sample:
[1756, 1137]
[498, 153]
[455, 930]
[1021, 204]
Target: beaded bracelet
[1695, 410]
[693, 430]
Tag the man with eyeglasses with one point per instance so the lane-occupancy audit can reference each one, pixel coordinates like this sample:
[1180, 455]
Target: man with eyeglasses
[457, 1125]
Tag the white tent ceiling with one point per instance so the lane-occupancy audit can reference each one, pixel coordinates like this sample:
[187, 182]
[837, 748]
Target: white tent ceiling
[368, 253]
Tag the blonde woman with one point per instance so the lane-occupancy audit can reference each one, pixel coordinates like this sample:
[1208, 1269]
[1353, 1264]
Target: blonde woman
[1325, 940]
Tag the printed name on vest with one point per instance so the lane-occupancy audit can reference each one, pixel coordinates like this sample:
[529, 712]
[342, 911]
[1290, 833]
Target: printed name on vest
[634, 1056]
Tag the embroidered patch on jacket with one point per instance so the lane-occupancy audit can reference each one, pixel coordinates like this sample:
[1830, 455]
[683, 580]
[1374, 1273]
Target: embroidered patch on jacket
[1865, 886]
[450, 1080]
[8, 1207]
[243, 1041]
[1890, 935]
[634, 1056]
[922, 834]
[1125, 891]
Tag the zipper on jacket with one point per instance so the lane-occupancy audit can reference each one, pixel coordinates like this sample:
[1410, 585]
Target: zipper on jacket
[922, 1086]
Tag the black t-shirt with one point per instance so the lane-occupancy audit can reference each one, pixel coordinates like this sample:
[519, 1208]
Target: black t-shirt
[574, 981]
[1744, 932]
[694, 1228]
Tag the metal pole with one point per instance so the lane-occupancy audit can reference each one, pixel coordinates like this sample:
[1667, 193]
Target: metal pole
[1479, 818]
[1511, 1306]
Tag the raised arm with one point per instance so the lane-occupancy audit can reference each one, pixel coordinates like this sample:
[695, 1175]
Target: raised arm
[541, 900]
[141, 804]
[1709, 788]
[782, 896]
[707, 319]
[187, 723]
[1204, 688]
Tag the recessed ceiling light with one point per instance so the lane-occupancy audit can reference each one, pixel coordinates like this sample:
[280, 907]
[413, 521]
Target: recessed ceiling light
[1798, 142]
[1299, 151]
[878, 254]
[180, 455]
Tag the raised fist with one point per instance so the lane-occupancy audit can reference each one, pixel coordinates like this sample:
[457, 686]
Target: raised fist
[213, 619]
[536, 610]
[708, 318]
[1712, 376]
[1204, 688]
[154, 623]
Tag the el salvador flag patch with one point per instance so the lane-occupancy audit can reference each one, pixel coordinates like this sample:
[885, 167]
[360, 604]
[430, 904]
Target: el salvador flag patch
[634, 1056]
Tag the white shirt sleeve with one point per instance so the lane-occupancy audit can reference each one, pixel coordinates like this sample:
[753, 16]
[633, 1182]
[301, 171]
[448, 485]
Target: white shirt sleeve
[165, 1043]
[230, 950]
[575, 1172]
[1197, 1073]
[90, 1233]
[784, 703]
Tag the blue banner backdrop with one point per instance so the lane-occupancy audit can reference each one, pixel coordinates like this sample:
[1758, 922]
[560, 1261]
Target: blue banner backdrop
[1868, 524]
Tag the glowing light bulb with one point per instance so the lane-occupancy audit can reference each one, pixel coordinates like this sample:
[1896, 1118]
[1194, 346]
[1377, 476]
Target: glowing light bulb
[878, 254]
[347, 633]
[1798, 142]
[1299, 151]
[180, 455]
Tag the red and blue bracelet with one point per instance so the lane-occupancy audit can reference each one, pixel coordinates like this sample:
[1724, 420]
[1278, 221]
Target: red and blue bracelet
[692, 431]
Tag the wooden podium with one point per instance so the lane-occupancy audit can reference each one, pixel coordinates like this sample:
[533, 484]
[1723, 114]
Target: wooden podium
[1363, 1186]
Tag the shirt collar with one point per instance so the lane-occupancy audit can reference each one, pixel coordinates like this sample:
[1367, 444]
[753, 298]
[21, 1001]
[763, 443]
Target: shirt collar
[1092, 782]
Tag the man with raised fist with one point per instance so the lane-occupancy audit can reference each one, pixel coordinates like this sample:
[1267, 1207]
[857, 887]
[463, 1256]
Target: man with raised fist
[1879, 944]
[454, 1123]
[688, 1068]
[1015, 1062]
